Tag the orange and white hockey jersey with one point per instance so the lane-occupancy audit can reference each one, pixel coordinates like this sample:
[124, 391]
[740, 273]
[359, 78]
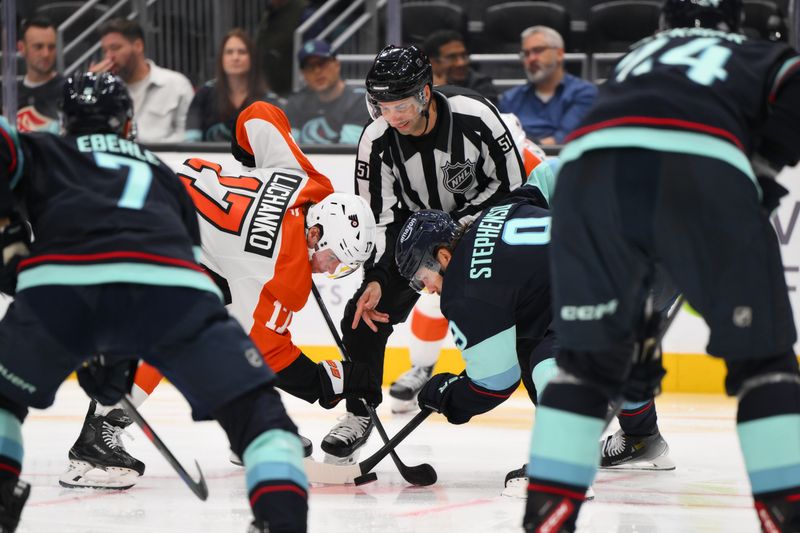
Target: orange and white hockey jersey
[252, 225]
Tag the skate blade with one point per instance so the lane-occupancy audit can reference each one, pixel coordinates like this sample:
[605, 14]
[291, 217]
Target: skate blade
[518, 488]
[342, 461]
[660, 463]
[401, 407]
[81, 474]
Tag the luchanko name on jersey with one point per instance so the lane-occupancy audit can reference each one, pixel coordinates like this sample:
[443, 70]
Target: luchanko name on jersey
[276, 197]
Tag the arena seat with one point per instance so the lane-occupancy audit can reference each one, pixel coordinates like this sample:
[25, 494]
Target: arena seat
[614, 26]
[420, 19]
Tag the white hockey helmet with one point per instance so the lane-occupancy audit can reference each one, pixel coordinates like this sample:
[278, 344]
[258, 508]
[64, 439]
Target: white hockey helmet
[348, 230]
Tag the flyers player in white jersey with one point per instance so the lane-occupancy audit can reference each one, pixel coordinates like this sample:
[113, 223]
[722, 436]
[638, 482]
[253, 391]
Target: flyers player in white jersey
[266, 225]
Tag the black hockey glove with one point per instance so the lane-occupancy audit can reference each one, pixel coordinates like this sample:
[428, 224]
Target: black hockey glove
[434, 394]
[107, 382]
[771, 193]
[647, 371]
[345, 379]
[14, 241]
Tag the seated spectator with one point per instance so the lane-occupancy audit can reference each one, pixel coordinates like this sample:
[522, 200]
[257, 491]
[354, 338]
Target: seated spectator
[161, 97]
[326, 110]
[40, 90]
[451, 65]
[213, 111]
[553, 103]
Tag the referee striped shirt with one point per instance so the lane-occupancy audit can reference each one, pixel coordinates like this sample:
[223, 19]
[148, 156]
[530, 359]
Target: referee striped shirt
[468, 162]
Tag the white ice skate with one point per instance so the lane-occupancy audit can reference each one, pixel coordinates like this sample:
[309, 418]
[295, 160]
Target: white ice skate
[403, 392]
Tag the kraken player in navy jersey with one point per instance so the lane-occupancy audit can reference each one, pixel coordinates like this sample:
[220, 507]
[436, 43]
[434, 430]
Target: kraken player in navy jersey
[111, 277]
[493, 278]
[660, 173]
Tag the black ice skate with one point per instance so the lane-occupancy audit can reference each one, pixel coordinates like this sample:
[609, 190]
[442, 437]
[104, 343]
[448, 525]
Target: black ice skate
[624, 452]
[258, 527]
[516, 484]
[403, 392]
[345, 438]
[13, 494]
[778, 515]
[98, 458]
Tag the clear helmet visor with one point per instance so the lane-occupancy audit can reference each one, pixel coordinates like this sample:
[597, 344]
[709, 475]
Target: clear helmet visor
[414, 103]
[427, 271]
[330, 265]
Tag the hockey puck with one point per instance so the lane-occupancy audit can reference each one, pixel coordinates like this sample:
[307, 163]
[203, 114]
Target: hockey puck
[369, 477]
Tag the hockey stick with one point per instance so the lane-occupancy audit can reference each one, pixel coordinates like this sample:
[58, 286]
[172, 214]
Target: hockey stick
[341, 474]
[616, 404]
[198, 487]
[421, 475]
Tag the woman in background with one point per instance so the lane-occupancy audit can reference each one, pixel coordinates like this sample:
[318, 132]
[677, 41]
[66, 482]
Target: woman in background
[238, 83]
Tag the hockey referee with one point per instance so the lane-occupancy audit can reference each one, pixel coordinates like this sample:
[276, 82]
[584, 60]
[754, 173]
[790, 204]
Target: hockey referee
[444, 149]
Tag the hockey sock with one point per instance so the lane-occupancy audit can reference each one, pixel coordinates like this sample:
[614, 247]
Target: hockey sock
[638, 418]
[427, 335]
[276, 482]
[564, 453]
[768, 424]
[301, 379]
[10, 445]
[145, 381]
[542, 374]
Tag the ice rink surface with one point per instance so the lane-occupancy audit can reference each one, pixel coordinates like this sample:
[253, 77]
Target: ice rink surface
[708, 492]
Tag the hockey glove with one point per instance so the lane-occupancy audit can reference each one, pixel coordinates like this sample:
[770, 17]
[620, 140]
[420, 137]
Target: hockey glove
[14, 241]
[434, 394]
[771, 193]
[647, 371]
[107, 382]
[345, 379]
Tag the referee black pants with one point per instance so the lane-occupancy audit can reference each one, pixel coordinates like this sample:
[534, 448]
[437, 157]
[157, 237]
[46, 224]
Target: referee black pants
[367, 346]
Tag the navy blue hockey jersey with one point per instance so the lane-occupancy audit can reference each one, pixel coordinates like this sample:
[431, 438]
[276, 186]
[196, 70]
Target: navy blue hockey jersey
[102, 209]
[689, 90]
[497, 286]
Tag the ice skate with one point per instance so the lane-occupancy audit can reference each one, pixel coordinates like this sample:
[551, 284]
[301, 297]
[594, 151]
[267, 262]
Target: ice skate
[516, 485]
[13, 494]
[342, 442]
[403, 392]
[778, 514]
[624, 452]
[258, 527]
[98, 458]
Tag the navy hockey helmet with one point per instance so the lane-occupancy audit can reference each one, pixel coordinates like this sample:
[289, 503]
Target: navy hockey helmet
[725, 15]
[397, 73]
[96, 103]
[423, 234]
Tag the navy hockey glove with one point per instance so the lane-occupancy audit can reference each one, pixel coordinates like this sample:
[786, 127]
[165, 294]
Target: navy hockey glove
[104, 382]
[14, 241]
[433, 395]
[345, 379]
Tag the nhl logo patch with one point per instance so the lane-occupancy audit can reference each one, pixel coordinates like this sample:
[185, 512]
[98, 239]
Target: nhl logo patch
[458, 177]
